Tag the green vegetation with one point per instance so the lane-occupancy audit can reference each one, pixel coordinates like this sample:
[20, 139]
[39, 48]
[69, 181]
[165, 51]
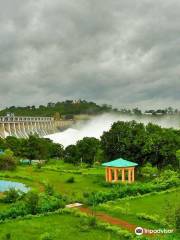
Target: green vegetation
[154, 204]
[57, 173]
[142, 144]
[56, 226]
[55, 179]
[130, 140]
[7, 160]
[67, 108]
[85, 151]
[74, 174]
[166, 180]
[30, 148]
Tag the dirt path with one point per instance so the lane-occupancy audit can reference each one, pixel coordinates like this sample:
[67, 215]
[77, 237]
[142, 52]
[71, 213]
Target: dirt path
[112, 220]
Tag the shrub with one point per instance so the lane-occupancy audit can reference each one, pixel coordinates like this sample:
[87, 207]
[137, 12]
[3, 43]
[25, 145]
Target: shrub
[50, 203]
[152, 218]
[11, 196]
[31, 201]
[86, 194]
[17, 209]
[7, 160]
[122, 191]
[92, 221]
[70, 180]
[148, 171]
[49, 189]
[177, 219]
[7, 236]
[46, 236]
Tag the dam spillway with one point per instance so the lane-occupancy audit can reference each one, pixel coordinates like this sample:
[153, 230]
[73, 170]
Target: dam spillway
[22, 127]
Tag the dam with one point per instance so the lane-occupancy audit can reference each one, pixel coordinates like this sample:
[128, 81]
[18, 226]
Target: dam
[22, 127]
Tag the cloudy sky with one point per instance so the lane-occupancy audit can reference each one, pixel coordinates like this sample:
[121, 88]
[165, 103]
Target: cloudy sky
[120, 52]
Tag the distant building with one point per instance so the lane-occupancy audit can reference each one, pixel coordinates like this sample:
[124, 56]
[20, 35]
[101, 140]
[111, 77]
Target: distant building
[10, 114]
[1, 151]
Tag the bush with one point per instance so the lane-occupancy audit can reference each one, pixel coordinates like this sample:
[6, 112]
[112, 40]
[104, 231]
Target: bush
[31, 201]
[70, 180]
[92, 221]
[148, 171]
[7, 236]
[46, 236]
[154, 219]
[49, 203]
[122, 191]
[177, 219]
[49, 189]
[11, 196]
[17, 209]
[7, 160]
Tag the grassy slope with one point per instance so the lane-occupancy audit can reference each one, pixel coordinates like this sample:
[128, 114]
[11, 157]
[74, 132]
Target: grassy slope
[150, 204]
[86, 180]
[64, 227]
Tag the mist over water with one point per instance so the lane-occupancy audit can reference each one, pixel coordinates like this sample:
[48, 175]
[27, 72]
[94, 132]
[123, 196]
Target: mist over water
[97, 125]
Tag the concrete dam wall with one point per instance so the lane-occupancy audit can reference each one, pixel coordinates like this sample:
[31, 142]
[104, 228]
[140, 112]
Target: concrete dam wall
[22, 127]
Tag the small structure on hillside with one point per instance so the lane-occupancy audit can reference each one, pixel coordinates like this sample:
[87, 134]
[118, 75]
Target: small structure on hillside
[1, 151]
[113, 168]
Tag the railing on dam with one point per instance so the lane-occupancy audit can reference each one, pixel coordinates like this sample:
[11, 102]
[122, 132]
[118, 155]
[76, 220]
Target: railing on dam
[26, 119]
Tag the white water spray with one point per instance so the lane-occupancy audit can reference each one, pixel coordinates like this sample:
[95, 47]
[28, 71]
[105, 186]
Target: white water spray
[97, 125]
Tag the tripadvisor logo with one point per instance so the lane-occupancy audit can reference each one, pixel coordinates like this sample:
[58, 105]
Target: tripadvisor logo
[139, 231]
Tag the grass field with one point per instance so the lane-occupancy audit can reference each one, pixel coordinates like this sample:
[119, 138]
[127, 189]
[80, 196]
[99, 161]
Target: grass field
[85, 180]
[153, 204]
[64, 227]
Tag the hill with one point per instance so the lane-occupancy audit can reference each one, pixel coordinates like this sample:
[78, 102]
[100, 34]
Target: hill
[68, 107]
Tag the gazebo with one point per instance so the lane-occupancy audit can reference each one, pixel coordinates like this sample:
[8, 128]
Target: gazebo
[113, 168]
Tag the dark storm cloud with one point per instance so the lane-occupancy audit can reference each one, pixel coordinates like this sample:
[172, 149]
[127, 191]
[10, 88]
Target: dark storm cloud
[125, 53]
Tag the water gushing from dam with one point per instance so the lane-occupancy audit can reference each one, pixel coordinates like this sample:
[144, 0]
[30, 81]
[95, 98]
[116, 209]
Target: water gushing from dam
[97, 125]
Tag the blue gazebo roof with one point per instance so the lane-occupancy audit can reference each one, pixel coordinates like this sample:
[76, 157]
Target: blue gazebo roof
[120, 162]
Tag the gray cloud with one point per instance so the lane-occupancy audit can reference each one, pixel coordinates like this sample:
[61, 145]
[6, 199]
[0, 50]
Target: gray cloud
[124, 53]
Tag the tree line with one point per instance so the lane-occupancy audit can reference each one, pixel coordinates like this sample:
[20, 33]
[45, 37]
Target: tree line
[71, 107]
[129, 140]
[68, 107]
[31, 148]
[132, 141]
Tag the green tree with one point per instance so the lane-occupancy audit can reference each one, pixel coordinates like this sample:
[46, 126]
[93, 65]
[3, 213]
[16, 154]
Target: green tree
[178, 157]
[7, 160]
[70, 154]
[87, 149]
[141, 144]
[14, 144]
[56, 150]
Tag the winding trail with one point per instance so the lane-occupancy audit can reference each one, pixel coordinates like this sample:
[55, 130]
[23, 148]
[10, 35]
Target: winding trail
[112, 220]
